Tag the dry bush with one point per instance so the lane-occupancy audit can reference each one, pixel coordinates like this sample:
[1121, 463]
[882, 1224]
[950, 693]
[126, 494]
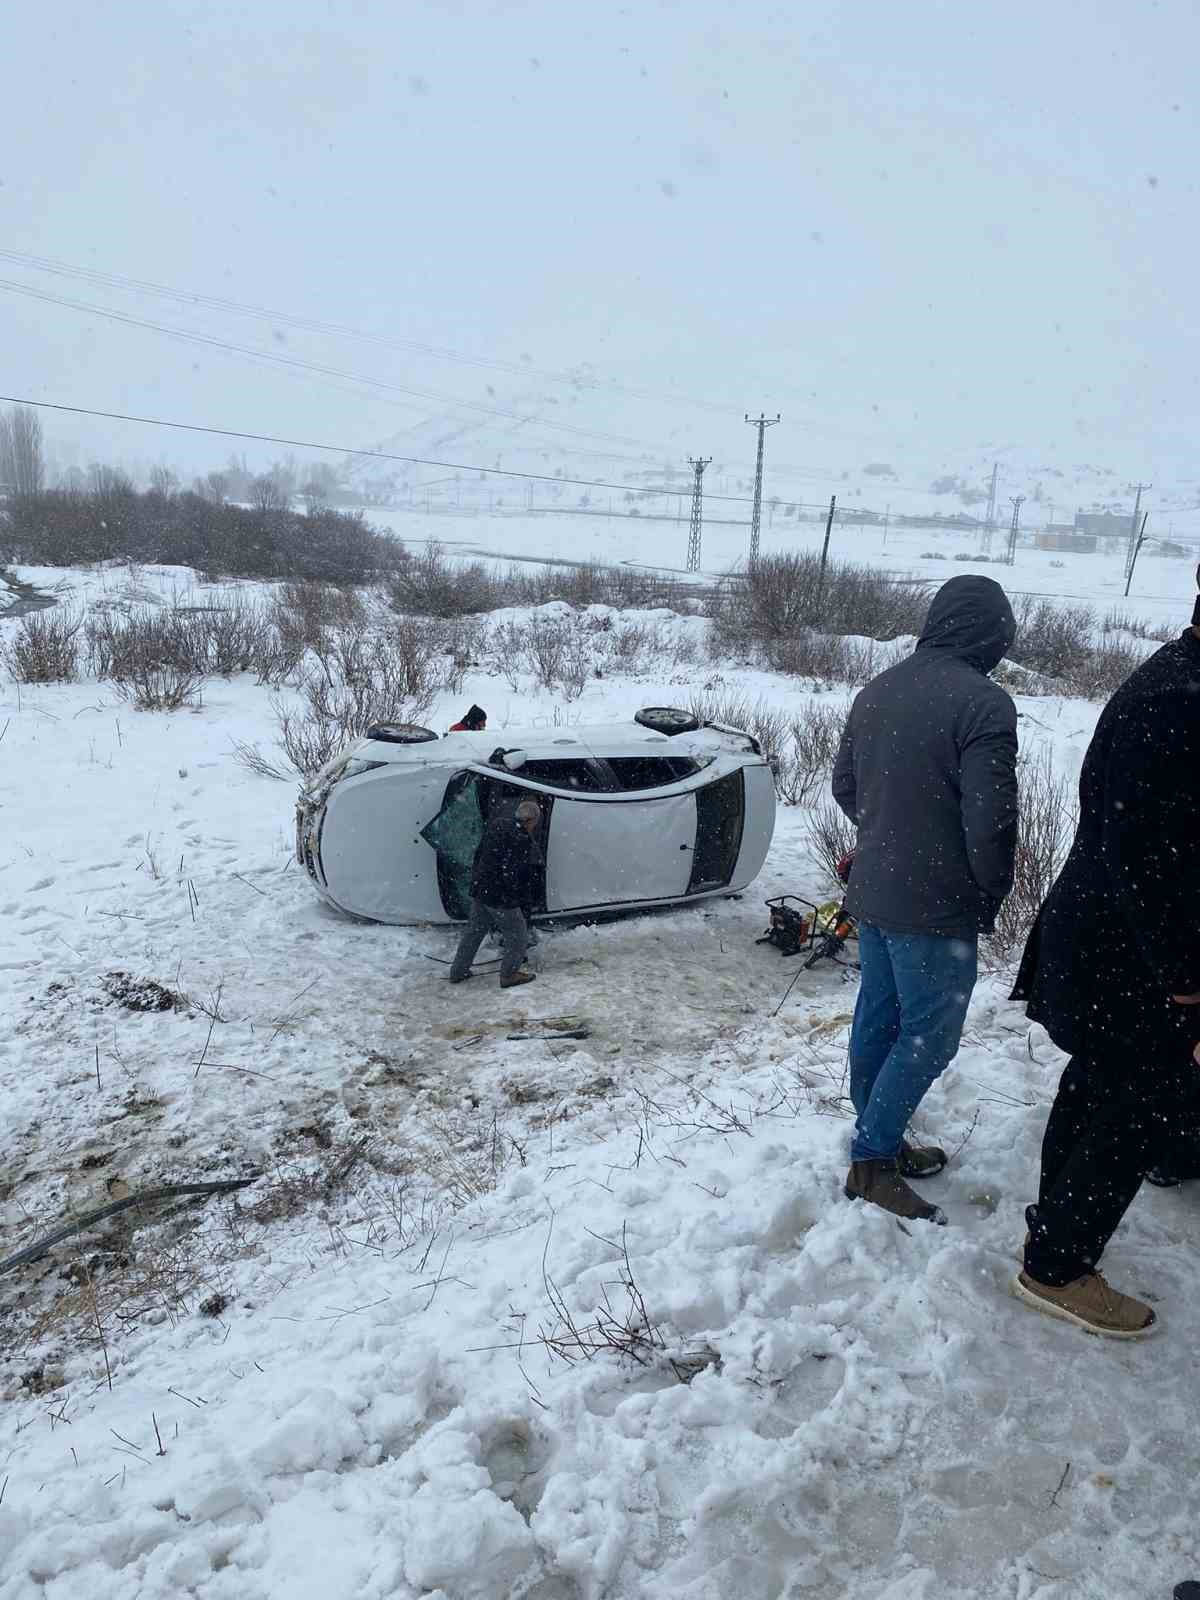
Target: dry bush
[389, 687]
[1046, 827]
[823, 657]
[308, 608]
[800, 746]
[782, 596]
[239, 637]
[1103, 670]
[1053, 640]
[158, 660]
[160, 686]
[431, 585]
[1117, 621]
[45, 648]
[831, 836]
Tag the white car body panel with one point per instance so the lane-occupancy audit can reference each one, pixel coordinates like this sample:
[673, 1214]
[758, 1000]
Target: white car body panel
[359, 820]
[602, 854]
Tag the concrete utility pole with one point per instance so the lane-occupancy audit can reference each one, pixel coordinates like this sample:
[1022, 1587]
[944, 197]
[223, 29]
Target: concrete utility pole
[1134, 530]
[762, 423]
[697, 464]
[1137, 545]
[989, 522]
[1017, 502]
[825, 547]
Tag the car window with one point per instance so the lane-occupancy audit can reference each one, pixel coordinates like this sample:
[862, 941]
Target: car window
[720, 809]
[651, 772]
[568, 774]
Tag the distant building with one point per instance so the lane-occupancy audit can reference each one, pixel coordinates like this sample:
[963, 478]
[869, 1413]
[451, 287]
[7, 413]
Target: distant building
[1104, 524]
[1060, 536]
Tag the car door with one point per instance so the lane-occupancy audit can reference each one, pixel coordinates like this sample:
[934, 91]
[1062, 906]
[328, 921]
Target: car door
[619, 852]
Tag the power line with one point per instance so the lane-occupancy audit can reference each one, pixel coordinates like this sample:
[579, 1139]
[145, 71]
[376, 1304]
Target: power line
[348, 450]
[118, 280]
[304, 366]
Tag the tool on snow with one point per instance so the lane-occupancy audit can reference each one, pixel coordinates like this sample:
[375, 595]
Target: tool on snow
[798, 927]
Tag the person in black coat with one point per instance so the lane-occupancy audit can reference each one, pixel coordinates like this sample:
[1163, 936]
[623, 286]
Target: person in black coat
[927, 773]
[502, 888]
[1112, 971]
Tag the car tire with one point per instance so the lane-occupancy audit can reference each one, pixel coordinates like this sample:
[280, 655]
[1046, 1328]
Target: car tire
[400, 733]
[666, 719]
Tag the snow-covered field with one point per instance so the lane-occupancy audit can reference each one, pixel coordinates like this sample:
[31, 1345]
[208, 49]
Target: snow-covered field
[387, 1367]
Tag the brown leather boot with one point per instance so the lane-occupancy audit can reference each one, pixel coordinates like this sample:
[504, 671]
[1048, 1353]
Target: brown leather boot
[879, 1184]
[920, 1160]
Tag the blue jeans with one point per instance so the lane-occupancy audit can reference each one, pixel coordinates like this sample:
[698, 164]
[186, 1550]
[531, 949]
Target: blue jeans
[907, 1024]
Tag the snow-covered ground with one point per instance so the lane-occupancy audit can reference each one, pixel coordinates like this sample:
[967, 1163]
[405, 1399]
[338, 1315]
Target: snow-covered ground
[375, 1371]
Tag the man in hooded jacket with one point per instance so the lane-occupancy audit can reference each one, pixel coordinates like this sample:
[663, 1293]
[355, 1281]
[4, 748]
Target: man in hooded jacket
[1112, 971]
[927, 773]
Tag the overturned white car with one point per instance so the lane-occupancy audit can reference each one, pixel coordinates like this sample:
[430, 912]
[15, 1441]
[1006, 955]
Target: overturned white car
[654, 812]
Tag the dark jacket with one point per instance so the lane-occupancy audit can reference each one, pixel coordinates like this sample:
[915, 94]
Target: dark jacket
[927, 773]
[1119, 933]
[503, 873]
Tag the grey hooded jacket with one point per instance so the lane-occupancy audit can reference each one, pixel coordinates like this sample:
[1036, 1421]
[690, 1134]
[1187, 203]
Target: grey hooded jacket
[927, 772]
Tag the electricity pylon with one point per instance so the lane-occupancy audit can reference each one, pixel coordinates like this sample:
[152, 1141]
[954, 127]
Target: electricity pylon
[697, 465]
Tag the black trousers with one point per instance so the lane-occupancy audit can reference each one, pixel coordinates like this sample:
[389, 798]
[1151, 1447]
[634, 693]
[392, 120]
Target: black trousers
[1114, 1118]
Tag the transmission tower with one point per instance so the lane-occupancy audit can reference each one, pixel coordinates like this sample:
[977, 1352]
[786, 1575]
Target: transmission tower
[1017, 502]
[762, 423]
[989, 522]
[697, 465]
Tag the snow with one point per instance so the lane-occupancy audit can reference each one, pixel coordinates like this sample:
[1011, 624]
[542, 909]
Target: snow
[397, 1393]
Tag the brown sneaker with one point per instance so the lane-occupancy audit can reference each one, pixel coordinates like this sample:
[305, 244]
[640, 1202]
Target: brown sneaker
[524, 976]
[920, 1160]
[879, 1184]
[1090, 1303]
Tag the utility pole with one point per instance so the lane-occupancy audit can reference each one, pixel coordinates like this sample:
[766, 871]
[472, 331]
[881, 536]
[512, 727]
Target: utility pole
[1134, 530]
[1017, 502]
[825, 547]
[762, 423]
[697, 464]
[989, 522]
[1138, 543]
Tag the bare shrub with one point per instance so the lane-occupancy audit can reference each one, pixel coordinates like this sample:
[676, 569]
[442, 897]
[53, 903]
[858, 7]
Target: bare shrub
[781, 596]
[821, 656]
[238, 637]
[1103, 670]
[158, 660]
[800, 746]
[393, 680]
[307, 608]
[431, 585]
[1117, 621]
[831, 836]
[45, 648]
[804, 764]
[1054, 640]
[1046, 826]
[160, 686]
[546, 642]
[505, 652]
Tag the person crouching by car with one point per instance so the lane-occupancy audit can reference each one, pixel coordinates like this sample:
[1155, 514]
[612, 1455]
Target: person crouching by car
[472, 721]
[501, 894]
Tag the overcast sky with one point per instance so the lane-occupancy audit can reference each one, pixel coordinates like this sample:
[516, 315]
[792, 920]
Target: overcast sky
[920, 231]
